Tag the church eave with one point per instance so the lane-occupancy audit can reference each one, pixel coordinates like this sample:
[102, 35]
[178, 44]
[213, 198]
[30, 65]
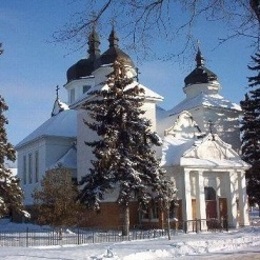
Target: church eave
[22, 144]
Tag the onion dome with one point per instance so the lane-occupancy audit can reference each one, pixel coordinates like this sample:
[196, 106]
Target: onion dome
[85, 67]
[114, 52]
[200, 74]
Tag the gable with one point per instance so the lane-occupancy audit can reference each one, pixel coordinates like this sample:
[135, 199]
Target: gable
[212, 147]
[63, 124]
[184, 127]
[211, 151]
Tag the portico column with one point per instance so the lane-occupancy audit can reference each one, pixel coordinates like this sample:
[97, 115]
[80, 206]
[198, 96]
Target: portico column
[243, 205]
[187, 195]
[200, 200]
[231, 201]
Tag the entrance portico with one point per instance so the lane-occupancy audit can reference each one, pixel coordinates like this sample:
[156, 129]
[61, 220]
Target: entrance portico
[210, 177]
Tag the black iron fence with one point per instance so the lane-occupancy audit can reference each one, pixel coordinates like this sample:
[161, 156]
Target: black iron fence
[79, 236]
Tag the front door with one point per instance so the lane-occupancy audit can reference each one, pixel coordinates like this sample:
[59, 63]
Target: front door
[211, 206]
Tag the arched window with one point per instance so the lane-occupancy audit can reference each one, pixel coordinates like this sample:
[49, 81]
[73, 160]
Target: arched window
[210, 193]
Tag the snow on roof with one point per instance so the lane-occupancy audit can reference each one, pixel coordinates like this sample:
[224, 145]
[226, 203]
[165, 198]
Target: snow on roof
[160, 113]
[180, 152]
[223, 163]
[63, 125]
[213, 100]
[148, 93]
[58, 107]
[173, 149]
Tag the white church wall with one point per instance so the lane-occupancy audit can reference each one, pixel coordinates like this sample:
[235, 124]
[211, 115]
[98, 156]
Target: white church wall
[76, 88]
[225, 124]
[206, 88]
[31, 149]
[37, 157]
[150, 113]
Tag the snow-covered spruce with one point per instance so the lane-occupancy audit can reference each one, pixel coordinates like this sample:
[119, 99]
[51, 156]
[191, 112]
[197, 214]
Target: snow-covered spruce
[124, 152]
[11, 196]
[250, 134]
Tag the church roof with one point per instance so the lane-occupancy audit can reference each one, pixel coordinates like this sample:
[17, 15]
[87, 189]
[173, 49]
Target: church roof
[206, 152]
[114, 52]
[200, 74]
[86, 66]
[62, 125]
[148, 93]
[213, 100]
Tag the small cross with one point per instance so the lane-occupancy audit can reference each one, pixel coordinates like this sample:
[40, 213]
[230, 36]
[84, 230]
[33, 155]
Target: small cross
[113, 22]
[137, 74]
[94, 19]
[198, 43]
[1, 50]
[57, 91]
[211, 124]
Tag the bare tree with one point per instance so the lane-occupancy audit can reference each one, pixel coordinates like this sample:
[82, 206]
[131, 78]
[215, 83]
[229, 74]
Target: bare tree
[139, 21]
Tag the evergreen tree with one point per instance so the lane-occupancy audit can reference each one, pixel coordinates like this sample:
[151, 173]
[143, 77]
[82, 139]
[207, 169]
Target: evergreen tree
[125, 159]
[11, 196]
[56, 202]
[250, 134]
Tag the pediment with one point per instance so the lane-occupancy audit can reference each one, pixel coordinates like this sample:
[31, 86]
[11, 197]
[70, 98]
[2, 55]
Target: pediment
[211, 147]
[184, 127]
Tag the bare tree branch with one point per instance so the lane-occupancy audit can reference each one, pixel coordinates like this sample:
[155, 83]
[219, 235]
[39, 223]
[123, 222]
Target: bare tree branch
[143, 22]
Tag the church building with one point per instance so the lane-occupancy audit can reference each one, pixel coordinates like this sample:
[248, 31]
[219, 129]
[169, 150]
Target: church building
[200, 150]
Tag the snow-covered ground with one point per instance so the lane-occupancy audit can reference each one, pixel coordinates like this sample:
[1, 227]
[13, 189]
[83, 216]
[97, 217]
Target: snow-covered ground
[243, 244]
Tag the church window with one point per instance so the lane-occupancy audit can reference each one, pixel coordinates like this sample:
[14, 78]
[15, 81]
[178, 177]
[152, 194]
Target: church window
[86, 88]
[36, 169]
[72, 95]
[152, 212]
[210, 193]
[30, 168]
[24, 170]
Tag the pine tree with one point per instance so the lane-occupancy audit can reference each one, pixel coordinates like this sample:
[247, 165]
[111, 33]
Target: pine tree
[250, 134]
[11, 196]
[56, 201]
[125, 159]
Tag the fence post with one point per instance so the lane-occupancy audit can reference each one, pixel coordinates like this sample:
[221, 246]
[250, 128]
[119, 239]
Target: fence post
[226, 224]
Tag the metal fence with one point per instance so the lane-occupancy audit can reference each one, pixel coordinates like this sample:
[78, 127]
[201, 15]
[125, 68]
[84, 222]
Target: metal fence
[79, 236]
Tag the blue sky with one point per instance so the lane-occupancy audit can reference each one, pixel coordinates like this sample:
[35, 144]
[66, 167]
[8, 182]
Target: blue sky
[32, 65]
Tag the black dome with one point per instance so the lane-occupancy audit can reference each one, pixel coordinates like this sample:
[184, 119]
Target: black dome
[85, 67]
[114, 52]
[200, 74]
[82, 68]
